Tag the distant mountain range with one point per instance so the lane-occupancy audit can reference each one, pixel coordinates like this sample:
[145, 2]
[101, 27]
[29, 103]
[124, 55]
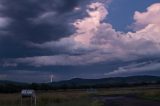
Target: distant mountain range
[11, 82]
[6, 86]
[114, 81]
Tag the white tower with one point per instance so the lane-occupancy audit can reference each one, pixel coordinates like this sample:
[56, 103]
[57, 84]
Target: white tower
[52, 76]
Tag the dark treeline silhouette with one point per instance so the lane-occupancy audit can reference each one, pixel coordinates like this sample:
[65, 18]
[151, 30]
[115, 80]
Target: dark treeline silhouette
[77, 83]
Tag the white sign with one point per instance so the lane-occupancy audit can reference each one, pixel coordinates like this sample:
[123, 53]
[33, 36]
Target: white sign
[27, 92]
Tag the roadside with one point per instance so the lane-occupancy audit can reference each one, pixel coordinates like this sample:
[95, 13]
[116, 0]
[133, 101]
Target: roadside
[125, 100]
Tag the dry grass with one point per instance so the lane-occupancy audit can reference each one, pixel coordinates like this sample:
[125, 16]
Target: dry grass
[9, 99]
[130, 90]
[67, 98]
[78, 98]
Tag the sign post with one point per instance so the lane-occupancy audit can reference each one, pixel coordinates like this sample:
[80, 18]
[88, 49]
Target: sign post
[29, 94]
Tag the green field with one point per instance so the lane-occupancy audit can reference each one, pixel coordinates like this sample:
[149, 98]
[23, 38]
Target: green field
[79, 97]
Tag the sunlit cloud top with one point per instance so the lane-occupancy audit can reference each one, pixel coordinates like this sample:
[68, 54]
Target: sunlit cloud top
[73, 34]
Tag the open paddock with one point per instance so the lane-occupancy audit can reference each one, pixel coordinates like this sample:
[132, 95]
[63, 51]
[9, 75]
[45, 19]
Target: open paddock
[82, 97]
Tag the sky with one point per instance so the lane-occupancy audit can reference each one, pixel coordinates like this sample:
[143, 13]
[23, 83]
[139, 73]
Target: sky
[78, 39]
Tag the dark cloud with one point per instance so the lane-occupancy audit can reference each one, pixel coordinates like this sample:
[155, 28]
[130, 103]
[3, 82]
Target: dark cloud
[22, 11]
[43, 37]
[23, 28]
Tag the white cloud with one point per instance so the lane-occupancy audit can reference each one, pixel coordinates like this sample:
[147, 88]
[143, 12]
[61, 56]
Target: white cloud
[4, 22]
[39, 61]
[88, 26]
[137, 67]
[7, 64]
[77, 9]
[151, 16]
[45, 17]
[99, 42]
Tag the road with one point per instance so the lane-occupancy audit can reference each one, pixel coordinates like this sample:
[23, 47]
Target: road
[126, 101]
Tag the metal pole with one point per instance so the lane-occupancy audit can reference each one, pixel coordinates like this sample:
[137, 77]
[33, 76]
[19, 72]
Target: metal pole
[31, 100]
[21, 100]
[35, 100]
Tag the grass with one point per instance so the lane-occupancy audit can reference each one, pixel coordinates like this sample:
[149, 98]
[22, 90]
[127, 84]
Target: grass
[80, 97]
[9, 99]
[152, 95]
[68, 98]
[129, 91]
[146, 92]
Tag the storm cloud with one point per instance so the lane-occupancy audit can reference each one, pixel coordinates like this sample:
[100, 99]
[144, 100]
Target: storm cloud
[37, 34]
[96, 41]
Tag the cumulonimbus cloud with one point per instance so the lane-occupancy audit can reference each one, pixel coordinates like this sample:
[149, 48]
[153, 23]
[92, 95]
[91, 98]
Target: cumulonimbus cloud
[151, 16]
[97, 41]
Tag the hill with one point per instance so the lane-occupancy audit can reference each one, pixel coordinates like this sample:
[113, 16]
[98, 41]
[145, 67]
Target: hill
[79, 83]
[107, 82]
